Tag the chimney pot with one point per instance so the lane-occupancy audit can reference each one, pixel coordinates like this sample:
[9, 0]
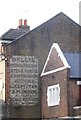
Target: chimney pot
[25, 22]
[20, 22]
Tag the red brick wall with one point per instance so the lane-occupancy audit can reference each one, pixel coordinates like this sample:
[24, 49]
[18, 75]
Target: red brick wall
[7, 70]
[73, 95]
[69, 95]
[52, 79]
[7, 94]
[54, 61]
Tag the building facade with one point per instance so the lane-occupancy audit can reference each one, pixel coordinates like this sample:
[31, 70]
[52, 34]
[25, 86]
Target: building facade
[26, 56]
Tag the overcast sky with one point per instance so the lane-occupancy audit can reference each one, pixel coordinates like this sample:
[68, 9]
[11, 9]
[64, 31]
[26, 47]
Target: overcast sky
[35, 11]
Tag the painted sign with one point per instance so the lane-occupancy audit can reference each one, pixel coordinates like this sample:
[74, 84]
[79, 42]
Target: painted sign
[23, 80]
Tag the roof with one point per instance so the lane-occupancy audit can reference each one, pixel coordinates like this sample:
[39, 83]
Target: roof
[59, 14]
[74, 60]
[54, 54]
[13, 34]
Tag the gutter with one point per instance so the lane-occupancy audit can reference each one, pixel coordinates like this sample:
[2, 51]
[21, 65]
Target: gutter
[5, 41]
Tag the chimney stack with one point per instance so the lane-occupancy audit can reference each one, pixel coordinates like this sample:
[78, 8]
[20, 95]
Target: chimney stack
[23, 24]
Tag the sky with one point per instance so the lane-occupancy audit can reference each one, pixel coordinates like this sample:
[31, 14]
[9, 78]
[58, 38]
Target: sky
[35, 11]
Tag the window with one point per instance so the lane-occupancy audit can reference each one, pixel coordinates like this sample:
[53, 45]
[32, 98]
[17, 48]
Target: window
[53, 95]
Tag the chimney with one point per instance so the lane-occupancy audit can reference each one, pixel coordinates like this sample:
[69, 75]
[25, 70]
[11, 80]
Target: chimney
[25, 22]
[20, 22]
[23, 25]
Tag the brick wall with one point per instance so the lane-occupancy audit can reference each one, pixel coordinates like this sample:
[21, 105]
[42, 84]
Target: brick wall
[69, 95]
[73, 95]
[7, 83]
[61, 109]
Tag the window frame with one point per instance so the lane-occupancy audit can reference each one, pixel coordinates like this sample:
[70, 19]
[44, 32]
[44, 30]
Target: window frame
[53, 91]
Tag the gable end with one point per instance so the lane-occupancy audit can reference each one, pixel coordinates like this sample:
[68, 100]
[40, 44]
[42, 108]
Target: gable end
[62, 60]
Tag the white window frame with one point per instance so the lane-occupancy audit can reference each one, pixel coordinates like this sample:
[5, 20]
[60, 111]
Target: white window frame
[78, 82]
[53, 95]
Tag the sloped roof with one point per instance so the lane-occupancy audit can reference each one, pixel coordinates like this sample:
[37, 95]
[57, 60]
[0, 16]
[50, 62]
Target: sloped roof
[62, 62]
[74, 60]
[8, 36]
[13, 34]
